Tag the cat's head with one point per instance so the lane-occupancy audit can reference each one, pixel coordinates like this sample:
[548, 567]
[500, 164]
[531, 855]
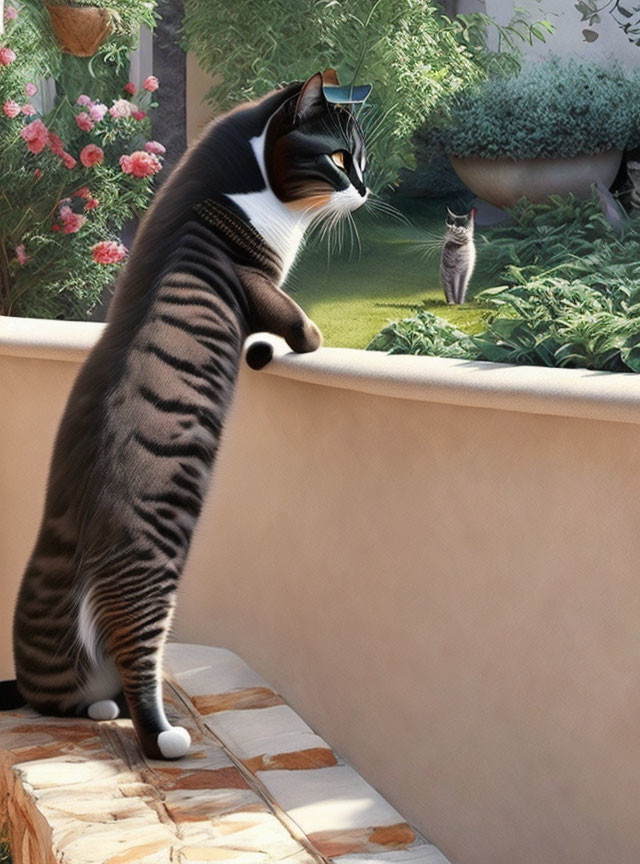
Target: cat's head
[314, 153]
[460, 225]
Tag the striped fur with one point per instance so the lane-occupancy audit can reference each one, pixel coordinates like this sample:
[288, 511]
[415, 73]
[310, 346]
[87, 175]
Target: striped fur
[135, 448]
[458, 256]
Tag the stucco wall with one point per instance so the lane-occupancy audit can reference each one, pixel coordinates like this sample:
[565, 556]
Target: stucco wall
[448, 593]
[611, 44]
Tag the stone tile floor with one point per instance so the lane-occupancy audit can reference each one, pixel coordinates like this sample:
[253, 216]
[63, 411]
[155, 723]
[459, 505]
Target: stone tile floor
[257, 785]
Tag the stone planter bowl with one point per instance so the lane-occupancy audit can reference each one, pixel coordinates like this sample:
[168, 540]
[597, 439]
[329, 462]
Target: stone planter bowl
[503, 181]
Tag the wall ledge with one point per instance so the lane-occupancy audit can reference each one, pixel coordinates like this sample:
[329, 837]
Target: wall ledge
[476, 384]
[44, 339]
[580, 393]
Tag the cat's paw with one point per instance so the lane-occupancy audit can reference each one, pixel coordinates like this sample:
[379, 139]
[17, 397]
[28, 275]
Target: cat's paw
[259, 354]
[304, 336]
[174, 742]
[105, 709]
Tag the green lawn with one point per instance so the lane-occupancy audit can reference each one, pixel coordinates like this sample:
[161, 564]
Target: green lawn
[355, 293]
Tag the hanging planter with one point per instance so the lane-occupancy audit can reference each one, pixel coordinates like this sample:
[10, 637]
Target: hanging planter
[81, 30]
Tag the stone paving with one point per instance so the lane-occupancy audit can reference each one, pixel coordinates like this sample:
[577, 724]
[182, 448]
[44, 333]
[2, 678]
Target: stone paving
[257, 786]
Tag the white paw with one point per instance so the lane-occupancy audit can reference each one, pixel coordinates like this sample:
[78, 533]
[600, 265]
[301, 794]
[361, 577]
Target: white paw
[174, 743]
[105, 709]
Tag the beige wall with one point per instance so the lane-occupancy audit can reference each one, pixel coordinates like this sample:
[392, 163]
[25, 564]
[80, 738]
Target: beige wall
[449, 595]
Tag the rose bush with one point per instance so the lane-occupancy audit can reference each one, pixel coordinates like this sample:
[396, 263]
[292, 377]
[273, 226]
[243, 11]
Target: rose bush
[65, 196]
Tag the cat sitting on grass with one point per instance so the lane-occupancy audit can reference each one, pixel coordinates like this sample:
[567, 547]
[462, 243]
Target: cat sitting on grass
[458, 256]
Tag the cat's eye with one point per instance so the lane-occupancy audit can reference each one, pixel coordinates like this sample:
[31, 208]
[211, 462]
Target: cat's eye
[338, 159]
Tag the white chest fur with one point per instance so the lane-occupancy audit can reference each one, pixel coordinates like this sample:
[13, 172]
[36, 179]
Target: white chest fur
[281, 227]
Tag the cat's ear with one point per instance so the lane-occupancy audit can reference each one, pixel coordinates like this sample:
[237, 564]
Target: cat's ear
[330, 77]
[311, 97]
[451, 214]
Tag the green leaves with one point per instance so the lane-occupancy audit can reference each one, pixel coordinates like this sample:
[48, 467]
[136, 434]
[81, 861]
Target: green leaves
[414, 56]
[423, 334]
[571, 295]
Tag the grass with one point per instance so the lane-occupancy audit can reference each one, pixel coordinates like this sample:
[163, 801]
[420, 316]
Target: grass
[353, 294]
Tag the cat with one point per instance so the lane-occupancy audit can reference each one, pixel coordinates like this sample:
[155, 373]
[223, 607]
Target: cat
[633, 170]
[458, 256]
[141, 428]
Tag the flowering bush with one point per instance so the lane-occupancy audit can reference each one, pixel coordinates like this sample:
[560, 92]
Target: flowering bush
[69, 180]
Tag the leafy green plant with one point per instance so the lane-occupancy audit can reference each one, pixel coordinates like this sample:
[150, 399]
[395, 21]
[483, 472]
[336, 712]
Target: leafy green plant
[542, 322]
[564, 236]
[550, 109]
[425, 333]
[414, 56]
[548, 321]
[570, 294]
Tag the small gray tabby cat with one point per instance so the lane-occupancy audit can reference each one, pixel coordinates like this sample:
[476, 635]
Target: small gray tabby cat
[458, 256]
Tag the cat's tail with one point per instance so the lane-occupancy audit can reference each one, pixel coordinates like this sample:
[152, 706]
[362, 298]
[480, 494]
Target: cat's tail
[10, 697]
[259, 354]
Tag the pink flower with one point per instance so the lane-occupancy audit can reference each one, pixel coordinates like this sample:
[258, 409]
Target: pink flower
[30, 89]
[21, 255]
[108, 252]
[155, 147]
[11, 108]
[82, 192]
[55, 227]
[83, 99]
[91, 204]
[28, 110]
[55, 144]
[37, 173]
[151, 84]
[73, 223]
[65, 211]
[84, 121]
[138, 115]
[7, 56]
[130, 87]
[122, 108]
[10, 13]
[97, 112]
[35, 134]
[140, 164]
[69, 161]
[91, 155]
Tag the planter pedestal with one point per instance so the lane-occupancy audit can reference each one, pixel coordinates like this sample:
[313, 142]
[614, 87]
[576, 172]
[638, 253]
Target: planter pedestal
[503, 181]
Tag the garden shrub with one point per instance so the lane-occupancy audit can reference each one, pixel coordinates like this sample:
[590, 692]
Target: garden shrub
[67, 183]
[554, 108]
[425, 333]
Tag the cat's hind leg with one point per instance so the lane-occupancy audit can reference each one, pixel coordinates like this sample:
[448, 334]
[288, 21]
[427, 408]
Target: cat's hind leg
[448, 289]
[138, 657]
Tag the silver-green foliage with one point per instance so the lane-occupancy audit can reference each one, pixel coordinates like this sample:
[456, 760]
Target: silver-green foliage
[550, 109]
[425, 333]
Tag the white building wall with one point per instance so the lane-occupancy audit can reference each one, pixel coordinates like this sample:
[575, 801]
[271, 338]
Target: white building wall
[611, 44]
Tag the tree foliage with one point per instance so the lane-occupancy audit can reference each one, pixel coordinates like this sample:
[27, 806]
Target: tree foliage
[413, 55]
